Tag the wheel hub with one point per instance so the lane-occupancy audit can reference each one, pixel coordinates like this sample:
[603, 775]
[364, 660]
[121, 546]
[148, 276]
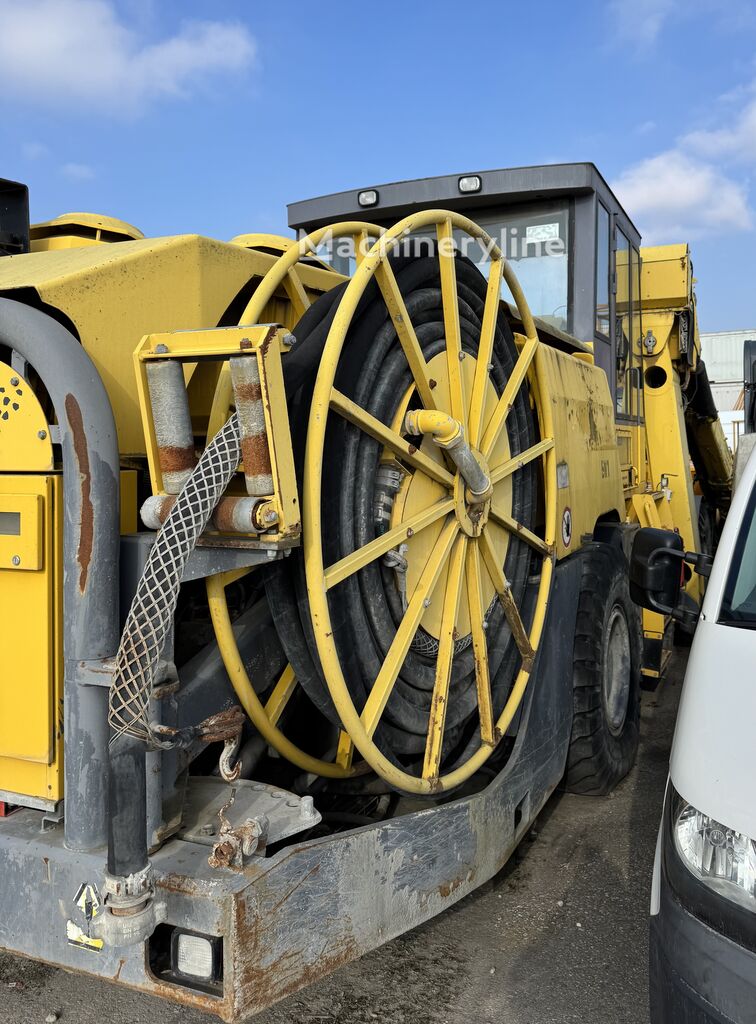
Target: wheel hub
[617, 670]
[471, 516]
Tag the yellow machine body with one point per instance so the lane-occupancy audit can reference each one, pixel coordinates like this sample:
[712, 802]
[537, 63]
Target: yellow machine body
[168, 290]
[114, 295]
[669, 353]
[499, 487]
[79, 230]
[30, 600]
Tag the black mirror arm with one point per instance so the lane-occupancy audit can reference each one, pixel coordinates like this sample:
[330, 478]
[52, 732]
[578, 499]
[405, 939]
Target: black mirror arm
[701, 563]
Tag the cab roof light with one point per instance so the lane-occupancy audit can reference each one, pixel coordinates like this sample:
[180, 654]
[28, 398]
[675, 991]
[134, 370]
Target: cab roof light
[470, 183]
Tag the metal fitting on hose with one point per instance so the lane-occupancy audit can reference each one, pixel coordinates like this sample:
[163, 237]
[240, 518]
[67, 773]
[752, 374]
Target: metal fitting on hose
[445, 430]
[449, 434]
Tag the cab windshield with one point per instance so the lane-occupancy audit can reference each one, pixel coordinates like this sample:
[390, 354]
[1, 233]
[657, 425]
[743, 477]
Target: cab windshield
[535, 239]
[739, 601]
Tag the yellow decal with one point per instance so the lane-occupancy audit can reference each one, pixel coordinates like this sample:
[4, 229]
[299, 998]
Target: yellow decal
[77, 937]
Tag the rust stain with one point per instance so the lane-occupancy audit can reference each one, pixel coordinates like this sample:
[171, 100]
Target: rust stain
[164, 506]
[181, 885]
[172, 993]
[265, 344]
[86, 527]
[517, 626]
[248, 391]
[264, 983]
[223, 516]
[256, 455]
[447, 888]
[222, 726]
[174, 459]
[121, 965]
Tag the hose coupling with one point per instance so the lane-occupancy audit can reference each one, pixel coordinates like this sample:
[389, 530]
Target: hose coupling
[445, 430]
[132, 912]
[449, 434]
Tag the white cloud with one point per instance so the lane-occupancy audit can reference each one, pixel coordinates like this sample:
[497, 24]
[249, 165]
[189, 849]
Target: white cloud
[77, 172]
[674, 196]
[645, 128]
[80, 53]
[698, 186]
[640, 22]
[733, 143]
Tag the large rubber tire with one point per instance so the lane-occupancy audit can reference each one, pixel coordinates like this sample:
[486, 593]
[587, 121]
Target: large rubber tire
[606, 676]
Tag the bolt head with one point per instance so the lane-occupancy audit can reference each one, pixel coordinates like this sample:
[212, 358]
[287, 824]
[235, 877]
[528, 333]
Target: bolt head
[462, 356]
[14, 382]
[16, 560]
[41, 434]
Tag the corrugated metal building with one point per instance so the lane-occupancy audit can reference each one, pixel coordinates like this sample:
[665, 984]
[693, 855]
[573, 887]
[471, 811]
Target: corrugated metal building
[723, 354]
[722, 351]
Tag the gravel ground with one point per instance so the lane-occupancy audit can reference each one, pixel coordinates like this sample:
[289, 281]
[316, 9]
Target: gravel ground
[560, 935]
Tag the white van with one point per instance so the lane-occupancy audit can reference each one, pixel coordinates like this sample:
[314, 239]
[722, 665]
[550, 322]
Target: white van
[703, 901]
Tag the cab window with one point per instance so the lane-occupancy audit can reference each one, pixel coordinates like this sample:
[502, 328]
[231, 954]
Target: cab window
[536, 241]
[739, 601]
[602, 271]
[626, 324]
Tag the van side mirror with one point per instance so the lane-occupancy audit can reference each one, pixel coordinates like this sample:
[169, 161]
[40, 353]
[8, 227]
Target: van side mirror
[656, 565]
[656, 572]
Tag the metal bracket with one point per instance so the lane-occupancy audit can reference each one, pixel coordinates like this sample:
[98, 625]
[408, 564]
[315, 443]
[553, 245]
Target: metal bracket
[96, 673]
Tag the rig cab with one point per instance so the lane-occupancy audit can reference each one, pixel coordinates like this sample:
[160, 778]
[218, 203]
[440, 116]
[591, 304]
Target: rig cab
[589, 282]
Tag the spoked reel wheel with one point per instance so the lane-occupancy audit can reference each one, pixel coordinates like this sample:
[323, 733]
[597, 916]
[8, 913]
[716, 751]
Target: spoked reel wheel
[425, 627]
[266, 716]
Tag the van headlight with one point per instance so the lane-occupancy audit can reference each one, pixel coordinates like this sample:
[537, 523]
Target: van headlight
[721, 858]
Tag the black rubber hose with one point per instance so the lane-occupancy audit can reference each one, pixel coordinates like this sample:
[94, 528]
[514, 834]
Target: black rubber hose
[127, 824]
[366, 609]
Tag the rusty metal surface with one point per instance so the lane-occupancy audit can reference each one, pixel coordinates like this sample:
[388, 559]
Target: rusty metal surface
[90, 550]
[314, 906]
[245, 375]
[86, 538]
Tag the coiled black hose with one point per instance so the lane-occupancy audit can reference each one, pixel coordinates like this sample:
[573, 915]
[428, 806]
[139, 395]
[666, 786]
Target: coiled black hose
[366, 608]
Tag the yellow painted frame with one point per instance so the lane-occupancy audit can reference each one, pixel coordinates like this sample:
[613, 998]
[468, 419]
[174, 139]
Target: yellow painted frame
[360, 727]
[262, 342]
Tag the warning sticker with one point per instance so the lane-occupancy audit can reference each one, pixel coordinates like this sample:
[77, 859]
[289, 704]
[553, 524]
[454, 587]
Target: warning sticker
[89, 902]
[87, 899]
[77, 937]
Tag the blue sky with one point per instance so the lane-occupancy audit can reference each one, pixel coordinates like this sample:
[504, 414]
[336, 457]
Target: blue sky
[211, 117]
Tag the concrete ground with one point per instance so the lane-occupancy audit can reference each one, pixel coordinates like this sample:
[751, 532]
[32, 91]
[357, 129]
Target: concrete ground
[560, 935]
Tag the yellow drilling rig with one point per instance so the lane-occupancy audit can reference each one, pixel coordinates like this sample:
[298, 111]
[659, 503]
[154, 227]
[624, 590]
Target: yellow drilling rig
[313, 579]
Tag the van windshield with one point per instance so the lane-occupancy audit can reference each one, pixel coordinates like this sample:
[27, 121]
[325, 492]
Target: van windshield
[739, 601]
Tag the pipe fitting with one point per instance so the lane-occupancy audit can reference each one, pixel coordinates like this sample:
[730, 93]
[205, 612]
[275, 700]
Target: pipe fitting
[445, 430]
[449, 434]
[232, 514]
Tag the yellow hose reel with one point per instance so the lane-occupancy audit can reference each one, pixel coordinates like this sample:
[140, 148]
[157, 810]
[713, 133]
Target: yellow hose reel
[455, 532]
